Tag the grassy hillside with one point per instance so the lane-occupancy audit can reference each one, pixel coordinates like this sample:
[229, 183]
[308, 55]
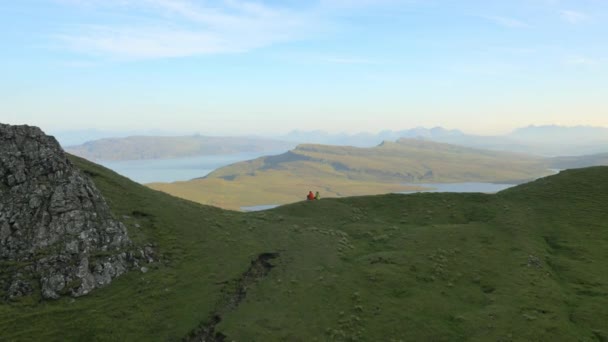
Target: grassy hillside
[338, 171]
[152, 147]
[525, 264]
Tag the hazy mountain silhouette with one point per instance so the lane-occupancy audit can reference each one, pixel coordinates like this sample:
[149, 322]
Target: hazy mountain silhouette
[549, 141]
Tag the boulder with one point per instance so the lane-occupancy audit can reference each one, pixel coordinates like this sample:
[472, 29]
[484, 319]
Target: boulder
[57, 234]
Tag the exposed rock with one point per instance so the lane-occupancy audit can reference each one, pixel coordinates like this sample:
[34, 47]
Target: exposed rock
[56, 230]
[18, 288]
[534, 261]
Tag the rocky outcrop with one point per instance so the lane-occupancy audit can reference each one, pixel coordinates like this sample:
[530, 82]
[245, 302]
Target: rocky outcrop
[57, 234]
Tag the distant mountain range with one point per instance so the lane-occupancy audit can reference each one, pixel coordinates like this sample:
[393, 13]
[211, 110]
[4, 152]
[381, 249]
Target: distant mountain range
[160, 147]
[370, 139]
[557, 134]
[575, 162]
[549, 141]
[540, 140]
[81, 136]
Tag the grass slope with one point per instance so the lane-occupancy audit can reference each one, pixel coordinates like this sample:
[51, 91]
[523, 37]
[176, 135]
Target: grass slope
[525, 264]
[338, 171]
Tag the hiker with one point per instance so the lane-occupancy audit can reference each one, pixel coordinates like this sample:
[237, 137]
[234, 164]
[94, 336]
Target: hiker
[310, 196]
[317, 197]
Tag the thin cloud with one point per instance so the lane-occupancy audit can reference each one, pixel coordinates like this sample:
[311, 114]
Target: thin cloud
[507, 22]
[363, 3]
[582, 61]
[183, 28]
[489, 69]
[142, 43]
[78, 64]
[349, 60]
[573, 17]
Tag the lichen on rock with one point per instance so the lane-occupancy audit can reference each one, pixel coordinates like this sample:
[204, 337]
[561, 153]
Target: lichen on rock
[56, 230]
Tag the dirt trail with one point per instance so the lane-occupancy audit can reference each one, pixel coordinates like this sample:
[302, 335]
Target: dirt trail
[235, 291]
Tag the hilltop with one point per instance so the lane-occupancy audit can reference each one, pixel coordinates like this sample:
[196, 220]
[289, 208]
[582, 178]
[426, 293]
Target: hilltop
[524, 264]
[547, 140]
[339, 171]
[366, 139]
[411, 160]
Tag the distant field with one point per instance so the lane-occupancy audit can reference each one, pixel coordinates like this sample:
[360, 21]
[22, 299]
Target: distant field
[272, 187]
[338, 171]
[526, 264]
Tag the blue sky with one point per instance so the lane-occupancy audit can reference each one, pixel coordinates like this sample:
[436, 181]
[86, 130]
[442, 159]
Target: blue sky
[261, 67]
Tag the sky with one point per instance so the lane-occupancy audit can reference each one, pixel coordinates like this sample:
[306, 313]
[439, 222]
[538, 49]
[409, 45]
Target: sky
[262, 67]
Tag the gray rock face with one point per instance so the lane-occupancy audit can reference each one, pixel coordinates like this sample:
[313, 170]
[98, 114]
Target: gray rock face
[57, 234]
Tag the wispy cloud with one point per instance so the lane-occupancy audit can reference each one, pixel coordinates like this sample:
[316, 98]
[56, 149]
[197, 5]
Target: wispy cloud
[582, 61]
[146, 42]
[489, 69]
[349, 60]
[80, 64]
[573, 17]
[363, 3]
[184, 28]
[507, 22]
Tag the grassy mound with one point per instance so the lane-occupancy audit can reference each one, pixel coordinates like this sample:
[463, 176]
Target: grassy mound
[528, 263]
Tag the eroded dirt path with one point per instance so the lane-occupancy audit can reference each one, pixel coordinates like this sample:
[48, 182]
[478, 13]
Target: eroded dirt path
[234, 293]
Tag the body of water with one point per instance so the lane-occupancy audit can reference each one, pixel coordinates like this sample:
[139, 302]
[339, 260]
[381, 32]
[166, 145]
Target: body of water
[432, 187]
[179, 169]
[259, 207]
[461, 187]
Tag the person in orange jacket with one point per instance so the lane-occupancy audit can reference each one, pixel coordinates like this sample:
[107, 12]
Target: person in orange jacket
[310, 196]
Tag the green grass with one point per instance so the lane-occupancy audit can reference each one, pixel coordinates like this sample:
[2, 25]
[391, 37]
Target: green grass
[272, 187]
[526, 264]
